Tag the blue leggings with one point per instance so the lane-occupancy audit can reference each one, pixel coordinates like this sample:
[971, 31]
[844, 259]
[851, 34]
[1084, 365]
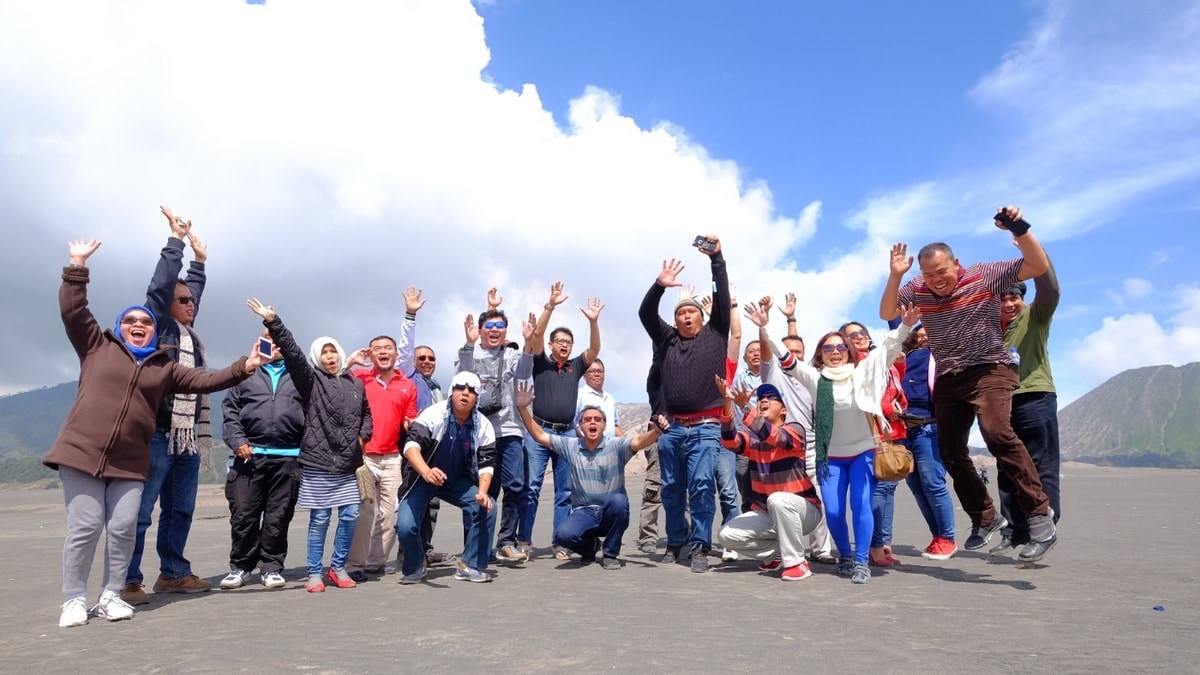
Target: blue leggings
[857, 474]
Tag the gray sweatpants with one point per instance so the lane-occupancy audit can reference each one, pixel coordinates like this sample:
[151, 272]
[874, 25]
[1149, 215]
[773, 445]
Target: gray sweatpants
[95, 505]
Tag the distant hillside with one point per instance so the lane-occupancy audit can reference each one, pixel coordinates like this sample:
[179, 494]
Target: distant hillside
[30, 421]
[1141, 417]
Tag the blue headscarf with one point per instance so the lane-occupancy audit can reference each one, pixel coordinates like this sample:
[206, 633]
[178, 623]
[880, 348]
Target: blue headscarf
[139, 352]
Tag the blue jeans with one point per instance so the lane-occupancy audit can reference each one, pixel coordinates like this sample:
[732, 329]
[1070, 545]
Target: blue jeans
[687, 458]
[457, 491]
[928, 481]
[727, 485]
[856, 474]
[172, 482]
[1035, 419]
[318, 526]
[883, 504]
[583, 526]
[510, 474]
[537, 456]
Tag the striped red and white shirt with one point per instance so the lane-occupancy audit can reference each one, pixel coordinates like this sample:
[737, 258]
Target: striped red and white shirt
[964, 327]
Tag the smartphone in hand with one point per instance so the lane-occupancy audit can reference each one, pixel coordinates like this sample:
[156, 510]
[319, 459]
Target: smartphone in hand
[265, 347]
[701, 242]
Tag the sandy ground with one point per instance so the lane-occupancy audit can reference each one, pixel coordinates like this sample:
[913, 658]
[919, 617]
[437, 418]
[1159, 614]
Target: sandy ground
[1127, 546]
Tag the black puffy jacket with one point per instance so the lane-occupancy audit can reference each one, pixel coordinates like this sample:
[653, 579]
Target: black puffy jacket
[337, 419]
[261, 418]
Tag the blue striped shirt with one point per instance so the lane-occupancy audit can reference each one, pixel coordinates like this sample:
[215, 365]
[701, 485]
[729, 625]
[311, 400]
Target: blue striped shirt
[595, 474]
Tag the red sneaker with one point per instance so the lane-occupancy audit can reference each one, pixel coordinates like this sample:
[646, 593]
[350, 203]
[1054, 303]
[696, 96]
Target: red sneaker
[769, 566]
[797, 572]
[941, 549]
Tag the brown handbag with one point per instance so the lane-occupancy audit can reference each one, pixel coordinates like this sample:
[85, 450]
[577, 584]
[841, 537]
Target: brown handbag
[893, 461]
[366, 484]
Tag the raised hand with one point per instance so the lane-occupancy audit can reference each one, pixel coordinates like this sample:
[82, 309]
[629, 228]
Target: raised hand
[789, 305]
[471, 329]
[256, 358]
[901, 261]
[412, 300]
[267, 312]
[910, 315]
[723, 387]
[755, 314]
[592, 311]
[741, 395]
[706, 304]
[493, 298]
[179, 228]
[1013, 212]
[81, 249]
[713, 239]
[661, 422]
[199, 250]
[557, 297]
[529, 326]
[359, 357]
[524, 394]
[670, 270]
[765, 303]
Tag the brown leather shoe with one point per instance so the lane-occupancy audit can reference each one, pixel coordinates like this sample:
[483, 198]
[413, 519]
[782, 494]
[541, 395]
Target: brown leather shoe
[134, 595]
[189, 584]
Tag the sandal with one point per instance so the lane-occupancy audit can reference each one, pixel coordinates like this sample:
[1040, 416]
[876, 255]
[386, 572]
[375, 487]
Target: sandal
[561, 553]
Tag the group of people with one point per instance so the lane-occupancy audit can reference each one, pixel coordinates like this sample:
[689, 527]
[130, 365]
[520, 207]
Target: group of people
[785, 446]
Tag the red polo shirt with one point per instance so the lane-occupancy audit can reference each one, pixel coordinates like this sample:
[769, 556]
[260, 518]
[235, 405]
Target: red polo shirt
[391, 404]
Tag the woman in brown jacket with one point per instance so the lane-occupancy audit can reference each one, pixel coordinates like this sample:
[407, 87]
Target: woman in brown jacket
[102, 454]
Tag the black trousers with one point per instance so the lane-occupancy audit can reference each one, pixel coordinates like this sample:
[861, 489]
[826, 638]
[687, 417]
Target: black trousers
[262, 493]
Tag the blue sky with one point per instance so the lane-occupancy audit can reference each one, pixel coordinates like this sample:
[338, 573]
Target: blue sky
[331, 155]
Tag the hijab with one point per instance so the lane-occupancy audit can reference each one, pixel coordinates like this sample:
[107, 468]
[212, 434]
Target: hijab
[138, 352]
[314, 352]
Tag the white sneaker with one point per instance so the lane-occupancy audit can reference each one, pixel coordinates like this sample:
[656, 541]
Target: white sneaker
[235, 579]
[112, 607]
[74, 613]
[274, 580]
[728, 555]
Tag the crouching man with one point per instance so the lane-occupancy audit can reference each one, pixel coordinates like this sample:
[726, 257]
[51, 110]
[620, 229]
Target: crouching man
[599, 504]
[451, 455]
[784, 505]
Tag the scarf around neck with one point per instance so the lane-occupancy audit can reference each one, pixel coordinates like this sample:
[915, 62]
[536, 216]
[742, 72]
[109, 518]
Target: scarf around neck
[190, 433]
[823, 413]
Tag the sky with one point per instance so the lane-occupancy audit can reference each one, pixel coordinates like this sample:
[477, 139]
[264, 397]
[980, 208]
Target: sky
[331, 155]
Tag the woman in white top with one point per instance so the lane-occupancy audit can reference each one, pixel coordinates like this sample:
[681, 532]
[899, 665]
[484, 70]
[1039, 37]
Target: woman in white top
[847, 391]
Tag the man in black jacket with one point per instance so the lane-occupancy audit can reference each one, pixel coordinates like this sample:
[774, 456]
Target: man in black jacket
[264, 423]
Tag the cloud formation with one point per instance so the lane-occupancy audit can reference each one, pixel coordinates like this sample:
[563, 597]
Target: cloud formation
[330, 159]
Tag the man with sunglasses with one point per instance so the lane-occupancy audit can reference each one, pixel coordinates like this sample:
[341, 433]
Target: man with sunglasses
[690, 355]
[418, 363]
[488, 355]
[182, 432]
[452, 451]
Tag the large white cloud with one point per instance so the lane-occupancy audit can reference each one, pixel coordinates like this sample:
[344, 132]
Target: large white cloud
[331, 155]
[1139, 339]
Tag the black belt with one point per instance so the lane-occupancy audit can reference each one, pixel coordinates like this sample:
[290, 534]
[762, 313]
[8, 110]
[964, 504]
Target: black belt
[556, 427]
[911, 422]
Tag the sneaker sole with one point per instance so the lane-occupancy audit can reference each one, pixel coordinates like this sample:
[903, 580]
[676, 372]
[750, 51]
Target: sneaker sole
[102, 615]
[472, 580]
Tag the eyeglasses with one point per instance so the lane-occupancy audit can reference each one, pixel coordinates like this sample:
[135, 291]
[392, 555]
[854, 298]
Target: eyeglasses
[137, 320]
[595, 372]
[770, 397]
[858, 334]
[185, 299]
[562, 341]
[498, 325]
[423, 357]
[829, 349]
[461, 387]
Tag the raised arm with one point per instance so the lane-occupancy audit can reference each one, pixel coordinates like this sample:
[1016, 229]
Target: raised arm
[524, 401]
[655, 327]
[1034, 261]
[82, 329]
[160, 294]
[592, 312]
[721, 297]
[650, 435]
[734, 351]
[1048, 293]
[900, 263]
[405, 363]
[536, 343]
[294, 358]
